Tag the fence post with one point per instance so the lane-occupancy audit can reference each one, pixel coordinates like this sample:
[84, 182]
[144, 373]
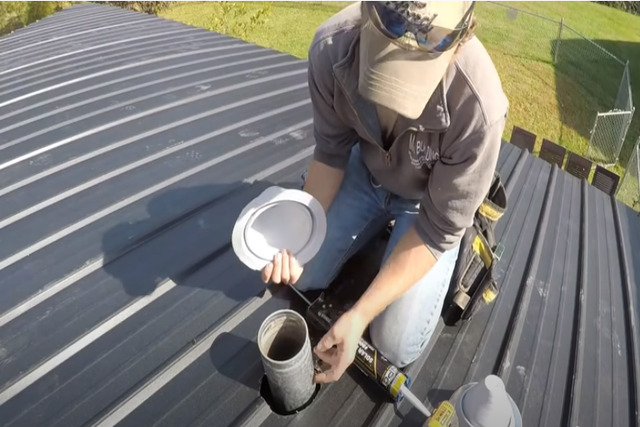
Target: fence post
[591, 134]
[555, 54]
[624, 102]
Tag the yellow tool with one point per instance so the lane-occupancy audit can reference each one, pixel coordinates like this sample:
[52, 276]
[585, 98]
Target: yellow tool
[443, 416]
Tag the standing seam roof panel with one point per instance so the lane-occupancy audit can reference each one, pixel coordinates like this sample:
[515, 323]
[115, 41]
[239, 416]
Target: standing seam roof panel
[126, 154]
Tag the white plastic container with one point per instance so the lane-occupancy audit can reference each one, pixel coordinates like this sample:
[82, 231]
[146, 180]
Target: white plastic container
[485, 404]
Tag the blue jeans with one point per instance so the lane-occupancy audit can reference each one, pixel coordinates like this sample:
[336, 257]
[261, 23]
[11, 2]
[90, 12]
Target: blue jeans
[361, 209]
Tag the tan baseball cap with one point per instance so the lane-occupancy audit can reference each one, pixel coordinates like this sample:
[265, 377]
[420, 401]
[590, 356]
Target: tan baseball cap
[396, 73]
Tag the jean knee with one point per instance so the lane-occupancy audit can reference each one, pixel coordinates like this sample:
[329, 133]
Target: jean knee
[399, 348]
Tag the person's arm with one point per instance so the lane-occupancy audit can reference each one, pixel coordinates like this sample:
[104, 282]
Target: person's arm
[410, 260]
[457, 186]
[323, 182]
[334, 139]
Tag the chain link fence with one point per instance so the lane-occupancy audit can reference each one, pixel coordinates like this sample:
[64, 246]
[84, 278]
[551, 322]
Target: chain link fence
[629, 188]
[610, 128]
[592, 85]
[564, 86]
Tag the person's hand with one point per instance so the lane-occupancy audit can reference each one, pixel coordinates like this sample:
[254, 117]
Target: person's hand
[284, 269]
[338, 347]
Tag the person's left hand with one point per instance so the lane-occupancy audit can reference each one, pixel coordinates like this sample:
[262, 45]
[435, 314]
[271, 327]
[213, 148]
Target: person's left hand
[338, 347]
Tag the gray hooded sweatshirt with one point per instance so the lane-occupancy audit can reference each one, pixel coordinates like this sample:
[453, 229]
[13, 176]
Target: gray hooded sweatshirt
[445, 159]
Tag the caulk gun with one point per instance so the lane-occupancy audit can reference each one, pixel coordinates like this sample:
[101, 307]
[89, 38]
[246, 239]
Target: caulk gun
[375, 365]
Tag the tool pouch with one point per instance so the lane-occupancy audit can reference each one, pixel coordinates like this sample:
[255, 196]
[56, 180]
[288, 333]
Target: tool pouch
[473, 284]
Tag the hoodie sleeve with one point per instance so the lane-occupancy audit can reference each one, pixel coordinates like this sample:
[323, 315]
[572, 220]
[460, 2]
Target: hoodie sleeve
[457, 186]
[334, 139]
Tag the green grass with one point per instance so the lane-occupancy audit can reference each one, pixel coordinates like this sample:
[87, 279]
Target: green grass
[583, 82]
[559, 101]
[289, 28]
[555, 101]
[17, 14]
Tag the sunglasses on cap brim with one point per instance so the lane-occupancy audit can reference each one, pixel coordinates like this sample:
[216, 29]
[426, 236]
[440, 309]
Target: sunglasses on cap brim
[429, 38]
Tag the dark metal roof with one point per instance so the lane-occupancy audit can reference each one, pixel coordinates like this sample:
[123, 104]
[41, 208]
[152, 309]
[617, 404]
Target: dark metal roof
[128, 146]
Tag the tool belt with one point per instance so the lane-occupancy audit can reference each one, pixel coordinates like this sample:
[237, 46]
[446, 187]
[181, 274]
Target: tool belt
[473, 285]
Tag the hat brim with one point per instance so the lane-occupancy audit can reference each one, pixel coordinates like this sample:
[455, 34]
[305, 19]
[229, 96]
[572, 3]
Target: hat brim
[400, 79]
[275, 220]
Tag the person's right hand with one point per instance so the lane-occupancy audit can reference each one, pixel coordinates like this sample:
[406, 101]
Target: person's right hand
[283, 269]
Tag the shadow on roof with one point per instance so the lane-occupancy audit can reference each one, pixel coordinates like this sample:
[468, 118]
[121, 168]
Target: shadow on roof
[139, 253]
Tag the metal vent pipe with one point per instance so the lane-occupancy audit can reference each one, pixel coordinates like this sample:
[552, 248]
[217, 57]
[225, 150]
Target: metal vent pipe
[283, 340]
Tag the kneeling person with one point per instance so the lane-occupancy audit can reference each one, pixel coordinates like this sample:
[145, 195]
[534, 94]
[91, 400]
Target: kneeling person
[408, 118]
